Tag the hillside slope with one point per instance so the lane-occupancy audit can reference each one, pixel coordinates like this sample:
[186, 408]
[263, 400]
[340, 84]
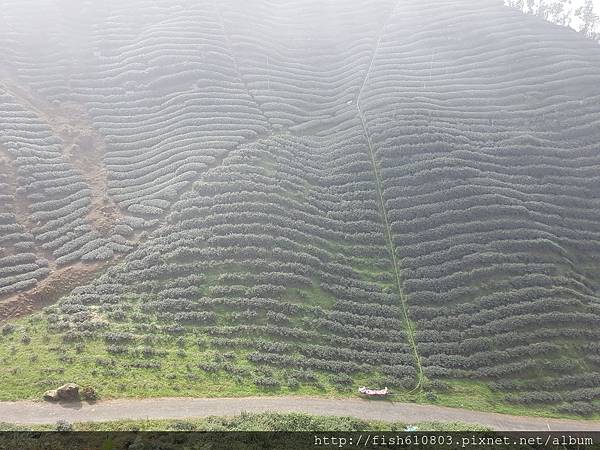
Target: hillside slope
[326, 194]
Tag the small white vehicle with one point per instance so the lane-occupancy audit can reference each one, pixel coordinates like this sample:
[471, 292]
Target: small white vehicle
[373, 392]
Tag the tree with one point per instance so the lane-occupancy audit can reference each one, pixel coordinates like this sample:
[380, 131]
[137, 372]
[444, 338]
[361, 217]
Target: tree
[591, 20]
[562, 12]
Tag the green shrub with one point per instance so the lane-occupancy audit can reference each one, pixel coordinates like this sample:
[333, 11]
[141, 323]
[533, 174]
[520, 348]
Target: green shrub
[341, 380]
[293, 383]
[267, 382]
[182, 426]
[63, 426]
[88, 393]
[7, 329]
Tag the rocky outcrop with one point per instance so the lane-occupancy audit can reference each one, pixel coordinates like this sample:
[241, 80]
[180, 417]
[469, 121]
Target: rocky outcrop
[67, 392]
[51, 395]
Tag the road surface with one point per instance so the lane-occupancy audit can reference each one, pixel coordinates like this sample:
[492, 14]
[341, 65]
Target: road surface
[28, 412]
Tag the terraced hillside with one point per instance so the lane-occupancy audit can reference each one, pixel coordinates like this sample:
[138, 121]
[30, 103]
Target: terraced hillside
[300, 196]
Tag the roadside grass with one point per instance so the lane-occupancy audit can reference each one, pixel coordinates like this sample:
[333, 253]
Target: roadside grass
[44, 362]
[478, 396]
[254, 422]
[32, 360]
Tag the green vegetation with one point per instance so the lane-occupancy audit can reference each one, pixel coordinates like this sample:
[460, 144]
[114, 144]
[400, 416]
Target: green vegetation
[183, 366]
[254, 422]
[281, 217]
[478, 396]
[41, 362]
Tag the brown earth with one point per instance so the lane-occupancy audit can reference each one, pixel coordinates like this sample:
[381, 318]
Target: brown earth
[82, 146]
[60, 282]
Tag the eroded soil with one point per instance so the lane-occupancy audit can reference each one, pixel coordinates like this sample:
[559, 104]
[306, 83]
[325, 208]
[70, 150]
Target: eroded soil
[60, 282]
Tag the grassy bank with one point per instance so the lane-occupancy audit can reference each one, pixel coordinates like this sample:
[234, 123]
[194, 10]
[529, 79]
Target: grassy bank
[32, 360]
[250, 422]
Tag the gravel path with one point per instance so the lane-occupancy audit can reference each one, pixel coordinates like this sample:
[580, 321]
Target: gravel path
[26, 412]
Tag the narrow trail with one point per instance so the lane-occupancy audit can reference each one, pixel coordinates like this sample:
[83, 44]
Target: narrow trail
[62, 280]
[30, 413]
[236, 64]
[84, 148]
[408, 325]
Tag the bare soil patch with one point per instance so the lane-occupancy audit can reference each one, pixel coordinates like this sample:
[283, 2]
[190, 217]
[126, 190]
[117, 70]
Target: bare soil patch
[82, 146]
[60, 282]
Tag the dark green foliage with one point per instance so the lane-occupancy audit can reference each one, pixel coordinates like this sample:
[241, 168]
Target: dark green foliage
[267, 382]
[8, 329]
[378, 211]
[182, 426]
[64, 426]
[342, 380]
[579, 408]
[88, 393]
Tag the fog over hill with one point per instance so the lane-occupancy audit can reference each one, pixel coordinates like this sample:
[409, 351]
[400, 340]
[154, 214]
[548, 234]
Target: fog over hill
[395, 192]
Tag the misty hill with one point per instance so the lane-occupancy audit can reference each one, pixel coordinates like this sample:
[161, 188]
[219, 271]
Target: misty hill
[388, 192]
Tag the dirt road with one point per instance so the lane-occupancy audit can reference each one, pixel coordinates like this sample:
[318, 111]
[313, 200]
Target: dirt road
[25, 412]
